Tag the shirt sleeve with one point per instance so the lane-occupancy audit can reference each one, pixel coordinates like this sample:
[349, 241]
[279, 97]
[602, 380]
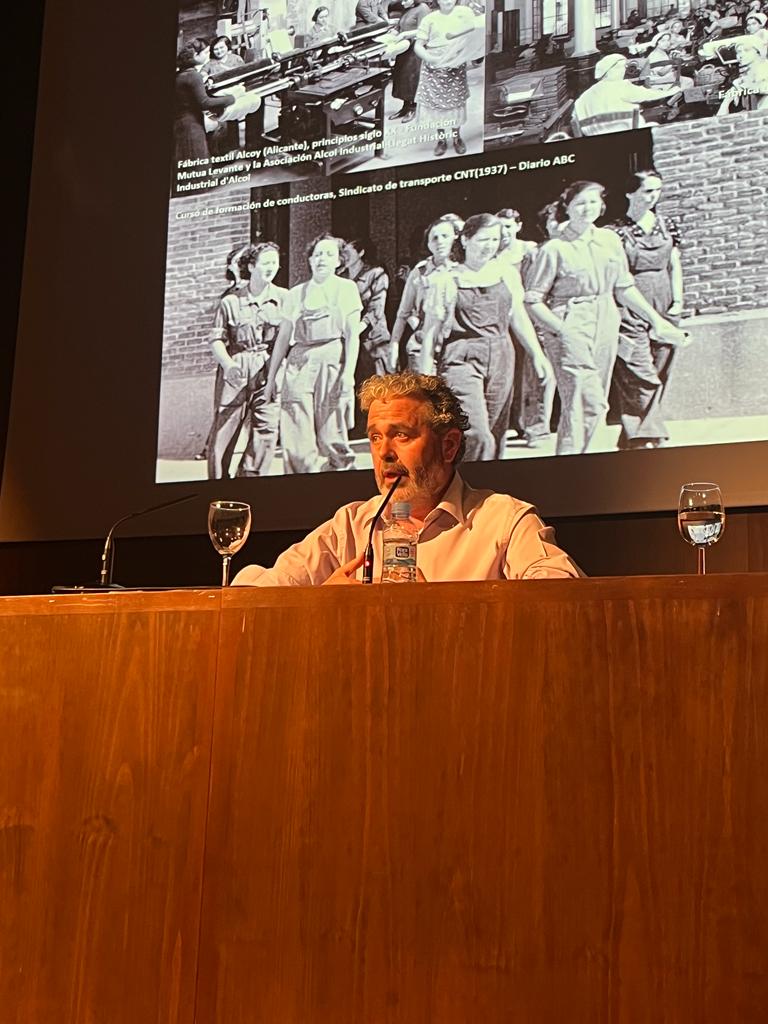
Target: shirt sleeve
[220, 323]
[308, 563]
[348, 297]
[673, 230]
[532, 552]
[213, 104]
[374, 309]
[541, 274]
[624, 278]
[409, 299]
[290, 305]
[422, 33]
[640, 94]
[440, 292]
[513, 281]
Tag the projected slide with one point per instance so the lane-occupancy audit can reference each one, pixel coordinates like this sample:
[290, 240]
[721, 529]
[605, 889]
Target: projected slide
[359, 189]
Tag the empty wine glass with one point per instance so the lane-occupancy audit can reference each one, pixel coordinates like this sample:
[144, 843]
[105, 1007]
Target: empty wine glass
[229, 523]
[701, 518]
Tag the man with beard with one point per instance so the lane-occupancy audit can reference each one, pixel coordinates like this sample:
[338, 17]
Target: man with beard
[416, 432]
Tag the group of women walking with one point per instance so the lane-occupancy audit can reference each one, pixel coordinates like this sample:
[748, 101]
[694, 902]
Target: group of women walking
[591, 310]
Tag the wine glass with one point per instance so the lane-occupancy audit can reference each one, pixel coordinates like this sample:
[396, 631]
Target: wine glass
[701, 518]
[229, 523]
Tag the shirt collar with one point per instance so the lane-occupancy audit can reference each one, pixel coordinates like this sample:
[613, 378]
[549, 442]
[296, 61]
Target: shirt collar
[452, 502]
[250, 299]
[570, 235]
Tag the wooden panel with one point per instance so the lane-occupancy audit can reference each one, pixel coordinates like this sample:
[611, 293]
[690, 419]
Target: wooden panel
[538, 802]
[105, 714]
[757, 526]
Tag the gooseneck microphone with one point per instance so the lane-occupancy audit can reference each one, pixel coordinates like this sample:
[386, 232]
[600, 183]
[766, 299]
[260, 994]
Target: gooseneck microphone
[368, 557]
[107, 555]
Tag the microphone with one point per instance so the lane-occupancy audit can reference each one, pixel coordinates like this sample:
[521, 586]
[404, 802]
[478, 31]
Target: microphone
[368, 557]
[107, 555]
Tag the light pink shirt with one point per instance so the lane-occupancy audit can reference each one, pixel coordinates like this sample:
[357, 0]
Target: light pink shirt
[471, 535]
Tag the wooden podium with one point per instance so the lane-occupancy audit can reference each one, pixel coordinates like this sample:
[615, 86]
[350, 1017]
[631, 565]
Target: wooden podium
[445, 804]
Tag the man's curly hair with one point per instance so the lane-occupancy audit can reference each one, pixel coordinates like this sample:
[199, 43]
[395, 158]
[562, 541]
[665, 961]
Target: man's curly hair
[444, 411]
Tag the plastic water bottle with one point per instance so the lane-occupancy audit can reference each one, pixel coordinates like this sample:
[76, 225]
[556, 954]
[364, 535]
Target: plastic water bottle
[399, 540]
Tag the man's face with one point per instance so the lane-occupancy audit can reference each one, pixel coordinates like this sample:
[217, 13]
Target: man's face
[404, 444]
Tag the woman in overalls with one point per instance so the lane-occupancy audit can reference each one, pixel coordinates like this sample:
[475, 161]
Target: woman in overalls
[651, 241]
[573, 290]
[318, 393]
[440, 238]
[472, 306]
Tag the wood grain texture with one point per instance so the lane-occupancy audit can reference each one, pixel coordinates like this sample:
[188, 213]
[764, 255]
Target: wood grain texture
[535, 802]
[106, 715]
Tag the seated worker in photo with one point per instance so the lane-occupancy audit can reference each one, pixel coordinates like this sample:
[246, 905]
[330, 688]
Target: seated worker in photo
[612, 94]
[222, 58]
[371, 12]
[749, 90]
[416, 432]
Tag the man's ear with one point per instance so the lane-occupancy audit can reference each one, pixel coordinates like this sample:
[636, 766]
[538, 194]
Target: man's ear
[449, 443]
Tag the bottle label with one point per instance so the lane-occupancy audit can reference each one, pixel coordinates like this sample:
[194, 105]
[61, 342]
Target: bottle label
[399, 562]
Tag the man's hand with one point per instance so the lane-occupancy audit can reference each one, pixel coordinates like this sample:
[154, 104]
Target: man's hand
[346, 573]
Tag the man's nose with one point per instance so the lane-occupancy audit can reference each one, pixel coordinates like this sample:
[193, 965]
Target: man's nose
[386, 450]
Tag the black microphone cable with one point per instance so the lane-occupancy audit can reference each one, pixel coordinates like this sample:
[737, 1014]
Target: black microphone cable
[368, 557]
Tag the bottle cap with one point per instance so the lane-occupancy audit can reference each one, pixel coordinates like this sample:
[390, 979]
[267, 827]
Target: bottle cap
[401, 510]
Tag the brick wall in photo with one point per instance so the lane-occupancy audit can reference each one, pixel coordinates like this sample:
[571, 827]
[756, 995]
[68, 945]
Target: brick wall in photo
[716, 185]
[198, 245]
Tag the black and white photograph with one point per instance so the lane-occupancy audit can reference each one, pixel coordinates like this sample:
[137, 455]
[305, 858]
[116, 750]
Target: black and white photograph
[608, 297]
[558, 70]
[276, 90]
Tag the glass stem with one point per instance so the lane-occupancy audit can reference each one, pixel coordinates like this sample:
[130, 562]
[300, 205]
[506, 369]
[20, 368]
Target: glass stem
[702, 553]
[225, 560]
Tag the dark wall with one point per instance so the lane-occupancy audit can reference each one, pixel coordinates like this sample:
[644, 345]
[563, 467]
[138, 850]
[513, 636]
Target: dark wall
[26, 24]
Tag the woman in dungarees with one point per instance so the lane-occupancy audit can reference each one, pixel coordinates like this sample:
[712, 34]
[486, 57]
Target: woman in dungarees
[651, 242]
[440, 238]
[573, 290]
[318, 393]
[472, 306]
